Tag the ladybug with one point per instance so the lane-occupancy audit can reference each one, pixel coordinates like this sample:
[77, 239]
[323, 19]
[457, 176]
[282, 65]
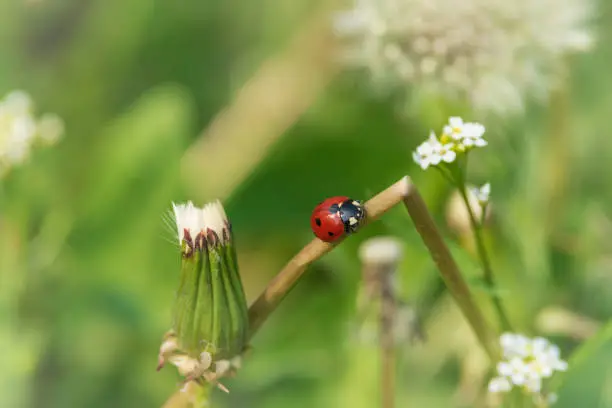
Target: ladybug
[337, 217]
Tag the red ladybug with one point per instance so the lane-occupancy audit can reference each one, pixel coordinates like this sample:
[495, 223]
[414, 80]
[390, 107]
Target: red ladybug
[336, 217]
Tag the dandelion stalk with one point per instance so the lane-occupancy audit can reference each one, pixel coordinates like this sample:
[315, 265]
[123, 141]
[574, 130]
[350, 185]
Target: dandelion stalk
[387, 344]
[380, 257]
[485, 261]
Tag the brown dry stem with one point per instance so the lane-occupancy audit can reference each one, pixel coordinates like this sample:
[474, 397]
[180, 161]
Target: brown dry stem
[449, 270]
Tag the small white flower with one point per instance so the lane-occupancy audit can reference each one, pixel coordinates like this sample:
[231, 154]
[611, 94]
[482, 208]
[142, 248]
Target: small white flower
[514, 345]
[191, 220]
[499, 384]
[19, 130]
[472, 135]
[515, 370]
[482, 193]
[549, 359]
[533, 384]
[425, 154]
[454, 129]
[445, 152]
[432, 152]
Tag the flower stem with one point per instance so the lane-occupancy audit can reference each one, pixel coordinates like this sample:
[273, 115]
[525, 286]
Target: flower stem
[193, 395]
[449, 271]
[484, 260]
[388, 309]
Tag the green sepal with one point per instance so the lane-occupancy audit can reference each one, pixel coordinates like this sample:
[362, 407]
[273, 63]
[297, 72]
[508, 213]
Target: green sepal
[210, 309]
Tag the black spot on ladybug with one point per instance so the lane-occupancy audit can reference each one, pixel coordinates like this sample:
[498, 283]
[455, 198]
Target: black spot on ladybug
[331, 234]
[334, 208]
[318, 222]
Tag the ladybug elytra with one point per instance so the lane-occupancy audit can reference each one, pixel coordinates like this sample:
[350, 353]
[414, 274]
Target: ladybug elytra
[336, 217]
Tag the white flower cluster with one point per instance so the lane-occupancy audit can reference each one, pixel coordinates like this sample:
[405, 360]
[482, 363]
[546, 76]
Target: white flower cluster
[492, 53]
[20, 130]
[457, 137]
[526, 364]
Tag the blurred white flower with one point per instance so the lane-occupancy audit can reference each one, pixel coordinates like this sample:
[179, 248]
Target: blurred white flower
[472, 135]
[432, 152]
[514, 345]
[426, 153]
[545, 400]
[526, 364]
[445, 152]
[492, 53]
[465, 135]
[482, 193]
[515, 370]
[50, 128]
[454, 129]
[457, 215]
[19, 129]
[499, 384]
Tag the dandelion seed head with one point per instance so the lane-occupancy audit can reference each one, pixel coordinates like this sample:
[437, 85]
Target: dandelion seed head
[193, 220]
[381, 250]
[492, 53]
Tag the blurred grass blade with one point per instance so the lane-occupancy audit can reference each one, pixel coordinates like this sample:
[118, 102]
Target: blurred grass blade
[585, 351]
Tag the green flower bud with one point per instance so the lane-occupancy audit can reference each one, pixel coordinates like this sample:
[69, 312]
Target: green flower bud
[210, 311]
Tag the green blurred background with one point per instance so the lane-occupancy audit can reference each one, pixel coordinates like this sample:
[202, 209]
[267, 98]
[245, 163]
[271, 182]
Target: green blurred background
[88, 268]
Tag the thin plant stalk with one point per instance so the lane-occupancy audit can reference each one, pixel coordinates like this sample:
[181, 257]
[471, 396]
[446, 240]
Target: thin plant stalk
[388, 308]
[485, 261]
[449, 271]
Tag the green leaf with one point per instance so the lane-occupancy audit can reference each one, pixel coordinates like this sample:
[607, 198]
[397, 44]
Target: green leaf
[210, 311]
[585, 351]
